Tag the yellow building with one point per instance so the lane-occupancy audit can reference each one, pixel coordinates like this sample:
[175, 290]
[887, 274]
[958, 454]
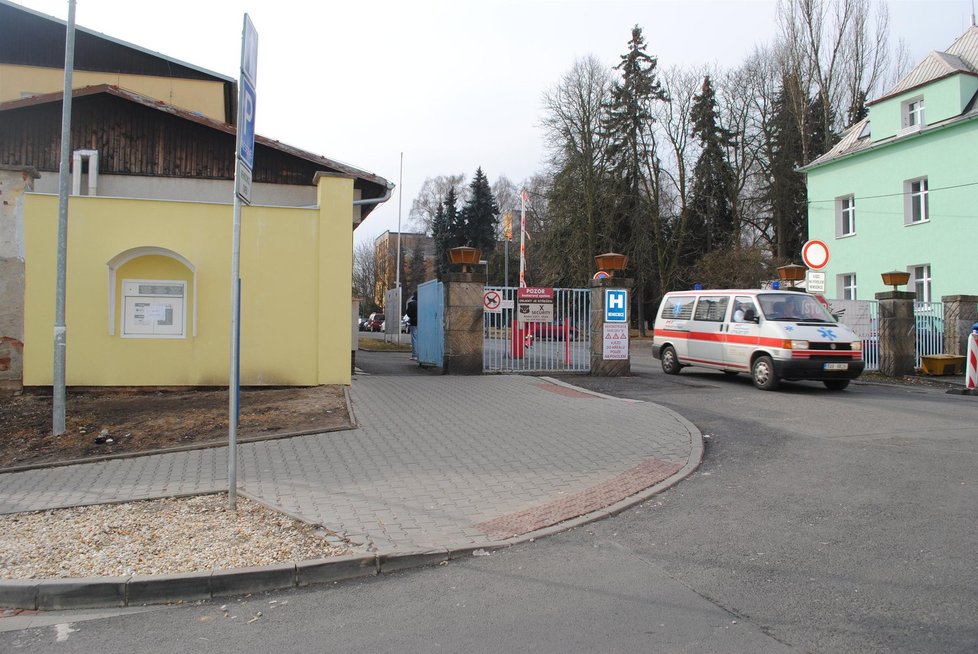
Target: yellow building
[149, 290]
[149, 232]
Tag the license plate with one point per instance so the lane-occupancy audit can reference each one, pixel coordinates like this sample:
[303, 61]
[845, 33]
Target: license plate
[835, 366]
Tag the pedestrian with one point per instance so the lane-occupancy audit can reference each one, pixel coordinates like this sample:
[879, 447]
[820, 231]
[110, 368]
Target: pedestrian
[412, 315]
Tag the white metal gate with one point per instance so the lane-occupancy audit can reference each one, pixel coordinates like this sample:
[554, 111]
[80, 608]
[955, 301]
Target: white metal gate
[563, 345]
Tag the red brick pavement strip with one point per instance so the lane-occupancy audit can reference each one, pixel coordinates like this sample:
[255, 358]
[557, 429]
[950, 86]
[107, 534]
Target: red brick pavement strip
[642, 476]
[565, 391]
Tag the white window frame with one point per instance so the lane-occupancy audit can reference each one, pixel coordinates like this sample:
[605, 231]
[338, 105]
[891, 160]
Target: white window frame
[912, 113]
[916, 215]
[845, 216]
[921, 279]
[846, 284]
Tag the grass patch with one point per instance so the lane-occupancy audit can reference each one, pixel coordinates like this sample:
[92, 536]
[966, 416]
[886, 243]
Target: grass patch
[374, 345]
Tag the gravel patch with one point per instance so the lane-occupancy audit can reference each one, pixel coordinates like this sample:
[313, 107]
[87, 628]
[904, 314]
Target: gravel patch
[189, 534]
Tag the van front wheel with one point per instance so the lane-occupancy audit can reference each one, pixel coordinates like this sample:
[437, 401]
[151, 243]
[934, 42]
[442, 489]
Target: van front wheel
[670, 362]
[762, 372]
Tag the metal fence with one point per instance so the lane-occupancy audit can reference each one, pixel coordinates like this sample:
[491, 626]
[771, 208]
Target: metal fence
[563, 345]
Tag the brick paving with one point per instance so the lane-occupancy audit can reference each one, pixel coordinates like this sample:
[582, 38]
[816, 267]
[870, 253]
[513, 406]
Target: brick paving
[435, 462]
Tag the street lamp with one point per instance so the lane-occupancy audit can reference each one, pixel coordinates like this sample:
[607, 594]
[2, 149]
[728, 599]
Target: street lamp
[896, 278]
[792, 273]
[612, 262]
[464, 256]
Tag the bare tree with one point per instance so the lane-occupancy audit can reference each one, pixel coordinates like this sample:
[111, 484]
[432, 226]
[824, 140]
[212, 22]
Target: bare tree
[432, 193]
[577, 197]
[838, 51]
[365, 277]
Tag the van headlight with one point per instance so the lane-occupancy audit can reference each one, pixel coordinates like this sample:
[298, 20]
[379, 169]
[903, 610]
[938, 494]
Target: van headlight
[857, 346]
[795, 345]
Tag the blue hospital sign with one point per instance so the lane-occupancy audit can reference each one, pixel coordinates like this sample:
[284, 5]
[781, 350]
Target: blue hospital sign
[615, 304]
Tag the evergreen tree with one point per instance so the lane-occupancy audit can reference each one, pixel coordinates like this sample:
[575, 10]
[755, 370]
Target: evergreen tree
[417, 270]
[479, 219]
[820, 139]
[441, 236]
[627, 121]
[712, 221]
[785, 191]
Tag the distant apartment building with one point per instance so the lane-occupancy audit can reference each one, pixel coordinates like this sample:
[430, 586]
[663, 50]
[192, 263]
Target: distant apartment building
[417, 262]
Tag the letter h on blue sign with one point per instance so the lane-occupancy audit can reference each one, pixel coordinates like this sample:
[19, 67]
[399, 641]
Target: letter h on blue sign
[615, 304]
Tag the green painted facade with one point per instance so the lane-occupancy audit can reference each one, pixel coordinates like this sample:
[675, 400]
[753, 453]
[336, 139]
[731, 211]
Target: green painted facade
[876, 172]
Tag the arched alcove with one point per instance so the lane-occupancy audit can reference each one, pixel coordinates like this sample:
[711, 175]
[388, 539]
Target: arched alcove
[159, 268]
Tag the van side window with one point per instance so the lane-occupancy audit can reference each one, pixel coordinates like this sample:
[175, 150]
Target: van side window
[743, 308]
[678, 307]
[711, 307]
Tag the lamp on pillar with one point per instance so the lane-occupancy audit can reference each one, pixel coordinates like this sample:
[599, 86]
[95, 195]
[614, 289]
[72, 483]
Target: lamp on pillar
[792, 273]
[611, 262]
[464, 256]
[896, 278]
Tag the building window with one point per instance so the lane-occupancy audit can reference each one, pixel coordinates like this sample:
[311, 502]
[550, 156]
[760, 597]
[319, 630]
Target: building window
[845, 211]
[847, 286]
[920, 278]
[917, 205]
[913, 113]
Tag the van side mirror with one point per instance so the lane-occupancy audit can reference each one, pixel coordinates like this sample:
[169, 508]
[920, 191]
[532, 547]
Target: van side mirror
[751, 316]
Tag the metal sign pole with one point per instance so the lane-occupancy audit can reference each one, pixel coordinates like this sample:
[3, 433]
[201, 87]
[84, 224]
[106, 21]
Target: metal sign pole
[244, 157]
[60, 330]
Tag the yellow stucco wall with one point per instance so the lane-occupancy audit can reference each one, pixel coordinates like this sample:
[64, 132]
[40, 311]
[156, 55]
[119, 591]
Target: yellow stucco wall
[203, 96]
[295, 274]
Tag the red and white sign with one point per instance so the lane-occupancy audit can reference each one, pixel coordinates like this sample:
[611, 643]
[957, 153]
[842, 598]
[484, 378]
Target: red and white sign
[492, 301]
[815, 254]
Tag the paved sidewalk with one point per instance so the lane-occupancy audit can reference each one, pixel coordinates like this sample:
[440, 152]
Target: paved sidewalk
[438, 462]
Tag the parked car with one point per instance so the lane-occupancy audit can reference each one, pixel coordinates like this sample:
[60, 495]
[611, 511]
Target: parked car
[405, 324]
[361, 323]
[375, 322]
[552, 330]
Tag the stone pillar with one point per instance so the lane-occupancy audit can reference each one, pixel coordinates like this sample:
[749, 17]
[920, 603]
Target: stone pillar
[897, 333]
[960, 313]
[599, 366]
[463, 324]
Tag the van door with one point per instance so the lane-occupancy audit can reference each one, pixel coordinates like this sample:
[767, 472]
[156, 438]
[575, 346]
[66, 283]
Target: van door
[706, 330]
[742, 333]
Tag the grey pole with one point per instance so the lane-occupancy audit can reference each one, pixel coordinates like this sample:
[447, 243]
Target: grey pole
[397, 265]
[60, 330]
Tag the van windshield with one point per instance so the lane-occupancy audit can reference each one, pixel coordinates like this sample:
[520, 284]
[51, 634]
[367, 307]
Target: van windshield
[793, 307]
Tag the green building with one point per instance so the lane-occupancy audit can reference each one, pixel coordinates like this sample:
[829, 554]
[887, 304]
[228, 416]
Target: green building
[900, 190]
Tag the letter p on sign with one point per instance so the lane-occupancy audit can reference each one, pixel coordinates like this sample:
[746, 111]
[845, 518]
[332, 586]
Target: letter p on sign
[615, 304]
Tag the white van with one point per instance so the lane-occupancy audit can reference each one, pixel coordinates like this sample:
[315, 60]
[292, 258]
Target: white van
[772, 335]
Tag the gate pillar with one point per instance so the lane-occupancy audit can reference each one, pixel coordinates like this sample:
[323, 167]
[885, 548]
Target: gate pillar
[960, 313]
[601, 366]
[897, 333]
[463, 324]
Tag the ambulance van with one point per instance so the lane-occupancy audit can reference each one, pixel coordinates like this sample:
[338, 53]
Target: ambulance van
[772, 335]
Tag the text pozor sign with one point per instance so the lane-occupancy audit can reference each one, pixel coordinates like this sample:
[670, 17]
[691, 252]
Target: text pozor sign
[535, 304]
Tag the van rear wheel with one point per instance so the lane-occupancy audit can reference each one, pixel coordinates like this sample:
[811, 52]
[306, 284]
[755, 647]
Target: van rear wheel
[762, 372]
[670, 362]
[836, 384]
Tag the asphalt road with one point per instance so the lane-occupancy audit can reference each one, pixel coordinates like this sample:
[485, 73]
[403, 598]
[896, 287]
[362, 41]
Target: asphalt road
[819, 521]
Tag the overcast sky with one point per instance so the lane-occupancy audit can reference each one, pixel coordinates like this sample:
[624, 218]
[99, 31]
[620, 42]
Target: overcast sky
[453, 85]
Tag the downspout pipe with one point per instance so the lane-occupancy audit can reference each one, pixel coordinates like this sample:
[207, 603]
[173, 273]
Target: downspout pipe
[384, 198]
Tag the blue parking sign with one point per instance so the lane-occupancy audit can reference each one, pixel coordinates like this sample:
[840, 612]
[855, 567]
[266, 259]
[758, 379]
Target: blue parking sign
[615, 304]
